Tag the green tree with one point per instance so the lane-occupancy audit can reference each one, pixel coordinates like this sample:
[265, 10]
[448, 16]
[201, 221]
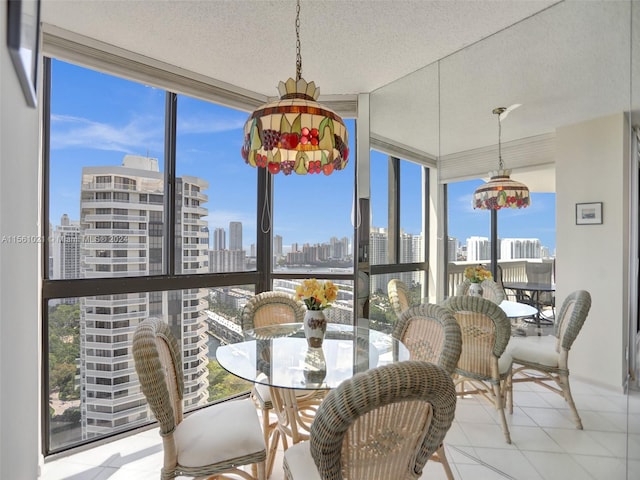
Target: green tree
[222, 384]
[64, 349]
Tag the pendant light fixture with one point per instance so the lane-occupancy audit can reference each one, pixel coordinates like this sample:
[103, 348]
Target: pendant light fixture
[500, 191]
[295, 133]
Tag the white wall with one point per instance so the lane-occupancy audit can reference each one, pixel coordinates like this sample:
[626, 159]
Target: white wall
[19, 275]
[592, 164]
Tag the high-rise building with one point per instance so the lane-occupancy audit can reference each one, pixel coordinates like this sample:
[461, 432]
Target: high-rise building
[235, 235]
[122, 230]
[227, 261]
[452, 249]
[410, 251]
[65, 249]
[515, 248]
[478, 249]
[277, 245]
[219, 239]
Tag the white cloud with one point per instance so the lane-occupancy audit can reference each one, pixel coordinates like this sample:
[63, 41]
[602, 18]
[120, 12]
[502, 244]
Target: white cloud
[140, 133]
[209, 124]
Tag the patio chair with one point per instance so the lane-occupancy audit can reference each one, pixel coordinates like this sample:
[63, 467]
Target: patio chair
[483, 363]
[193, 444]
[544, 359]
[490, 290]
[271, 308]
[398, 295]
[431, 334]
[541, 273]
[384, 423]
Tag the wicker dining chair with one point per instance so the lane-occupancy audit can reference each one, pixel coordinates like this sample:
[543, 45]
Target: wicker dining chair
[544, 359]
[193, 444]
[431, 334]
[491, 290]
[483, 363]
[398, 295]
[294, 410]
[544, 301]
[384, 423]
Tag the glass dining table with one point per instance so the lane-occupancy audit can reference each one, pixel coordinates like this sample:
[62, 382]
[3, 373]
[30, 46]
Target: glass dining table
[297, 376]
[278, 355]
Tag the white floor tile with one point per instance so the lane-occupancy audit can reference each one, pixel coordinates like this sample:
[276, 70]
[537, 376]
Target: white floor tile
[575, 441]
[511, 462]
[604, 467]
[545, 443]
[557, 466]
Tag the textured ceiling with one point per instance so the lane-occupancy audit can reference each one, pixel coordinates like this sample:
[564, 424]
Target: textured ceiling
[435, 69]
[347, 46]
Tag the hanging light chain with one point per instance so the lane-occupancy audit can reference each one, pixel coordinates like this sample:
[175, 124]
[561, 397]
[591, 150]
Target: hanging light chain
[498, 111]
[298, 55]
[500, 143]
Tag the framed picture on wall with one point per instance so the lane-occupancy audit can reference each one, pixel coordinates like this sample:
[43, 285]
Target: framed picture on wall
[23, 32]
[589, 213]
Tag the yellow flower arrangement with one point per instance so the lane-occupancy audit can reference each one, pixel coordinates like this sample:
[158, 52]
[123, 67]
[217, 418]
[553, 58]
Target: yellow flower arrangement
[477, 274]
[317, 295]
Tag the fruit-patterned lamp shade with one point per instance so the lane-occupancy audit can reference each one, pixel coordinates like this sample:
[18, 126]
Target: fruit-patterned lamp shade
[295, 134]
[501, 192]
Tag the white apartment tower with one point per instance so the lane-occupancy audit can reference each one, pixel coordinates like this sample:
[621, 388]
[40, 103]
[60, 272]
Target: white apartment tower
[478, 249]
[122, 230]
[410, 252]
[219, 239]
[65, 249]
[277, 245]
[235, 235]
[515, 248]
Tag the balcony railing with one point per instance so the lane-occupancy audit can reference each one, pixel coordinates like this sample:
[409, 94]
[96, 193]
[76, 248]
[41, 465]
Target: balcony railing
[512, 271]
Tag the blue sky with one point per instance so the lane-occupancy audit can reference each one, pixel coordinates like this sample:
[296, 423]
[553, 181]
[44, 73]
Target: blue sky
[96, 119]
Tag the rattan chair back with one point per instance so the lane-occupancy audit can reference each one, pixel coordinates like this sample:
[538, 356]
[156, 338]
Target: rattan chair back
[384, 423]
[158, 363]
[486, 331]
[270, 308]
[485, 334]
[398, 295]
[573, 313]
[159, 366]
[431, 334]
[491, 290]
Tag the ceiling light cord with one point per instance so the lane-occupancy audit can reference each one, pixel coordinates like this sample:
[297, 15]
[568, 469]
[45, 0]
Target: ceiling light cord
[298, 55]
[499, 111]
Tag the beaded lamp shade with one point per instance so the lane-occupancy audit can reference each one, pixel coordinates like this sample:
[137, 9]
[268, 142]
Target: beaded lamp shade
[500, 191]
[295, 133]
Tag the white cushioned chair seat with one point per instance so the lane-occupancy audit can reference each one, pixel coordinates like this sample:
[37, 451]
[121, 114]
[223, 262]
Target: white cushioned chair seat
[534, 349]
[218, 433]
[300, 461]
[504, 363]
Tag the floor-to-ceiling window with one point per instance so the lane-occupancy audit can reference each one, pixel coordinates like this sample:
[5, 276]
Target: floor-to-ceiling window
[397, 238]
[152, 212]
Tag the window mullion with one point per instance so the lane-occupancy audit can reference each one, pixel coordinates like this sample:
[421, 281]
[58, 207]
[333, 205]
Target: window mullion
[393, 219]
[171, 110]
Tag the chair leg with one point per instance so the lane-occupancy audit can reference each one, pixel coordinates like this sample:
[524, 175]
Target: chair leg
[497, 392]
[440, 456]
[563, 382]
[262, 471]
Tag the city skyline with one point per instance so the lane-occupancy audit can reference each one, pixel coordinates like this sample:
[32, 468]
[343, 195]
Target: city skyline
[128, 118]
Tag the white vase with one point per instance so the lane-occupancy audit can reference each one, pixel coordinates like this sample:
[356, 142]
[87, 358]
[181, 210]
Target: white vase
[315, 326]
[475, 290]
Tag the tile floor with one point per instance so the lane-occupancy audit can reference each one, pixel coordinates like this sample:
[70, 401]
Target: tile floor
[546, 446]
